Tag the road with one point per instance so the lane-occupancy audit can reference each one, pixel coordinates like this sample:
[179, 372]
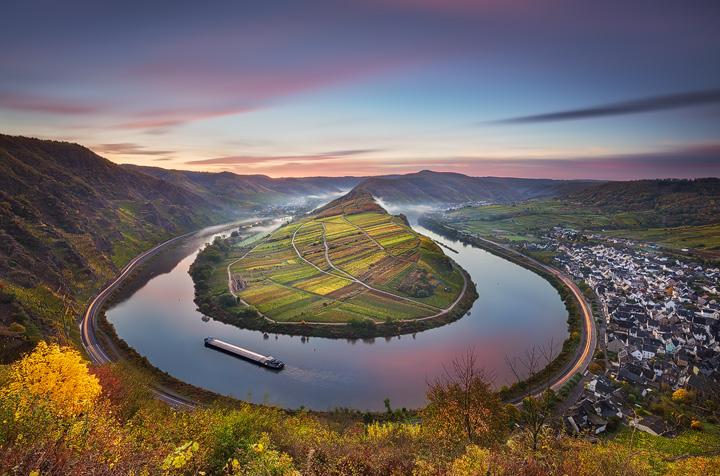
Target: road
[589, 333]
[98, 356]
[88, 323]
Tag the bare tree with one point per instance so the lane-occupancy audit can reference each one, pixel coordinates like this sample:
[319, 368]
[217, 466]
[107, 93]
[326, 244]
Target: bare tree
[536, 405]
[463, 408]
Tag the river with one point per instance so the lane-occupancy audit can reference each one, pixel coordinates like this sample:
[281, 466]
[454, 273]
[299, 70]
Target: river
[515, 311]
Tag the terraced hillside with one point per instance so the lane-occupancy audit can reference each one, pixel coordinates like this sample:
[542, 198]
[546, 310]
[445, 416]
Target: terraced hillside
[349, 262]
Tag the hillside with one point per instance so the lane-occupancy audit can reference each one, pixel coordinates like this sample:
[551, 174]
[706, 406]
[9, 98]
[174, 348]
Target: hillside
[357, 201]
[350, 262]
[69, 219]
[675, 214]
[662, 202]
[230, 190]
[436, 188]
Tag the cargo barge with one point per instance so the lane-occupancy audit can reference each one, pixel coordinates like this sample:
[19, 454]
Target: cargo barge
[266, 361]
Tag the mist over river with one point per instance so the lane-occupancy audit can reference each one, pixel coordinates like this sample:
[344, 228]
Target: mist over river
[515, 311]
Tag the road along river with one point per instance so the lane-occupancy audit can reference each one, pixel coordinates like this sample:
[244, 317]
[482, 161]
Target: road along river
[516, 310]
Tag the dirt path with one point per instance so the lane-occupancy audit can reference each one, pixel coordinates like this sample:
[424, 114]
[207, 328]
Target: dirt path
[349, 276]
[344, 275]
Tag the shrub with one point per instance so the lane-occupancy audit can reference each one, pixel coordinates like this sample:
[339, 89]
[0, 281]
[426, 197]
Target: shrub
[463, 408]
[53, 377]
[360, 323]
[681, 396]
[595, 368]
[227, 300]
[17, 327]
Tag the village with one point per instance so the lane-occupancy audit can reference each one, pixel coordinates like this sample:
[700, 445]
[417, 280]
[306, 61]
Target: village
[661, 329]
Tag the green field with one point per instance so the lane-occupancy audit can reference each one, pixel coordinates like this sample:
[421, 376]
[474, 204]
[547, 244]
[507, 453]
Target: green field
[660, 452]
[529, 220]
[703, 238]
[375, 267]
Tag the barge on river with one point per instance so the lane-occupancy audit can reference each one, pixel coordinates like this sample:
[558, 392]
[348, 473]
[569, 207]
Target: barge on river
[266, 361]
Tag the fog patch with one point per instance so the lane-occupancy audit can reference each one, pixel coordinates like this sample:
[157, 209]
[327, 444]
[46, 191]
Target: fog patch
[411, 211]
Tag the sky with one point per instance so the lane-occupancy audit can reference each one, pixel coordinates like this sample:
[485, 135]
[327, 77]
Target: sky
[526, 88]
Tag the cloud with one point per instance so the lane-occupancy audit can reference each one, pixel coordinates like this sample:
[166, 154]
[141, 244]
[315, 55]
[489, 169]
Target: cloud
[687, 162]
[44, 104]
[129, 148]
[159, 120]
[264, 159]
[650, 104]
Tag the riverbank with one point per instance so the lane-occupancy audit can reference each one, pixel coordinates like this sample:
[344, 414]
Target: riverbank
[156, 316]
[577, 349]
[103, 345]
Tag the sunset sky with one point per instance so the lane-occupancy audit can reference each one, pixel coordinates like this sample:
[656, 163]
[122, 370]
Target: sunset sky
[562, 89]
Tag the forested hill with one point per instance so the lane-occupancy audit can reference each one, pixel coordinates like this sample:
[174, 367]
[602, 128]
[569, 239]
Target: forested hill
[69, 219]
[437, 188]
[669, 202]
[230, 190]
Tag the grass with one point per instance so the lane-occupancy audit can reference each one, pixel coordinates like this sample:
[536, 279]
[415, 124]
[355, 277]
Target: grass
[521, 222]
[659, 450]
[46, 307]
[286, 288]
[529, 220]
[705, 238]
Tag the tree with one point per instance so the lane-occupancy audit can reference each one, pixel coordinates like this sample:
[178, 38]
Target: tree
[462, 406]
[535, 410]
[54, 376]
[227, 300]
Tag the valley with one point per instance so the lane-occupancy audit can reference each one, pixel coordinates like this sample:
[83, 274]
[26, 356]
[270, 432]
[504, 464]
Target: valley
[363, 306]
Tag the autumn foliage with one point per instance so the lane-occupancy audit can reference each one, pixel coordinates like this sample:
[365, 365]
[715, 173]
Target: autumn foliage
[54, 377]
[56, 420]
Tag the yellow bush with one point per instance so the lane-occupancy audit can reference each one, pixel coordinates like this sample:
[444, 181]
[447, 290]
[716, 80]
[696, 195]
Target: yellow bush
[54, 376]
[607, 459]
[180, 457]
[381, 431]
[476, 460]
[680, 395]
[696, 466]
[263, 459]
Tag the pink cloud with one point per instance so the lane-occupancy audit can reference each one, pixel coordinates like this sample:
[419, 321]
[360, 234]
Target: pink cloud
[48, 105]
[161, 119]
[129, 148]
[283, 159]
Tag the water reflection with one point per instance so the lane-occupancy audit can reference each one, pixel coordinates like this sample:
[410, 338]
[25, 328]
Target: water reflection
[515, 311]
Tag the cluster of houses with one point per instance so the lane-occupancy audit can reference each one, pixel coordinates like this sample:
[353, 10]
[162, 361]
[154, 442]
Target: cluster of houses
[662, 326]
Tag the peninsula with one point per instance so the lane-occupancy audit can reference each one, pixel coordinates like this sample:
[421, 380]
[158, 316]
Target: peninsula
[349, 269]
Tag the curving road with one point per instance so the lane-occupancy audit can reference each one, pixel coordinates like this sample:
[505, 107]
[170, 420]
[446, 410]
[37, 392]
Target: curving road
[96, 353]
[88, 323]
[589, 333]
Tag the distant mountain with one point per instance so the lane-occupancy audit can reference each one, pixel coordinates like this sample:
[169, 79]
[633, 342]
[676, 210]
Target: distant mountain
[436, 188]
[229, 189]
[670, 202]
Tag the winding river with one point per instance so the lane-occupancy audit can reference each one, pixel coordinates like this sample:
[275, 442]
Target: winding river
[516, 310]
